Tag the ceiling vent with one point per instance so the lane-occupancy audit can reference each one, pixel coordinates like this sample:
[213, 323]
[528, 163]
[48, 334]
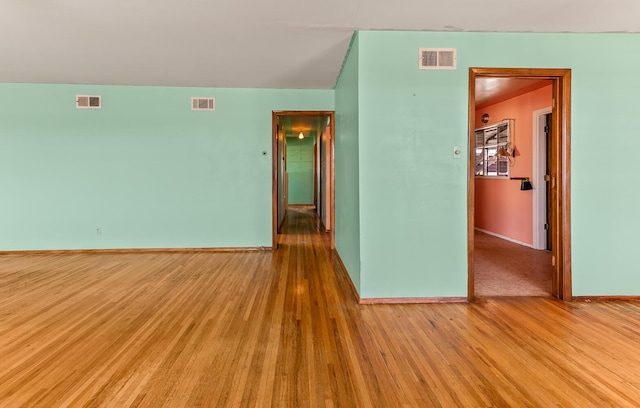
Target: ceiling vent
[208, 104]
[88, 101]
[437, 58]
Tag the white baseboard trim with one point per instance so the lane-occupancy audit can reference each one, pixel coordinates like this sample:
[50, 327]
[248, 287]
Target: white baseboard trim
[515, 241]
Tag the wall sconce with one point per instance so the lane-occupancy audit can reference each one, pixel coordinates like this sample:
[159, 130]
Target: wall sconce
[525, 183]
[502, 152]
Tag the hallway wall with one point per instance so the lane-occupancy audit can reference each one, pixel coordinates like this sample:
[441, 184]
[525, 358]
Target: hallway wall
[145, 171]
[300, 169]
[347, 163]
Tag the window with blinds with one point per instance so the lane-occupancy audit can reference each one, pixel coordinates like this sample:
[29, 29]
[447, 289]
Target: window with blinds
[488, 142]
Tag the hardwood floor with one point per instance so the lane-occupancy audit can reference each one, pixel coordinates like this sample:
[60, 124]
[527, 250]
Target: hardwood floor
[282, 329]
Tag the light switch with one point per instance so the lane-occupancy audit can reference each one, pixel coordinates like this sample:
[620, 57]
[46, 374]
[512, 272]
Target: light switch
[457, 152]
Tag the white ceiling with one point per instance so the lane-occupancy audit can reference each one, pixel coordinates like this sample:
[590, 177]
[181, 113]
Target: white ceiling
[494, 90]
[250, 43]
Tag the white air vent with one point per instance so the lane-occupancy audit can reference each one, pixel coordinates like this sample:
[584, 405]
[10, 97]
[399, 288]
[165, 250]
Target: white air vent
[88, 101]
[203, 104]
[437, 58]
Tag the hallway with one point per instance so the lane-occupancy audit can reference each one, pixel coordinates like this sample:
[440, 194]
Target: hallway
[282, 329]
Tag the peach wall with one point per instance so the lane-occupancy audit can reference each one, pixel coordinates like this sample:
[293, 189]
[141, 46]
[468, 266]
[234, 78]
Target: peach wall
[500, 206]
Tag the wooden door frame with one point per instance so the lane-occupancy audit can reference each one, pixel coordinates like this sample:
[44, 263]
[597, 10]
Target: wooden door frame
[560, 171]
[316, 172]
[274, 173]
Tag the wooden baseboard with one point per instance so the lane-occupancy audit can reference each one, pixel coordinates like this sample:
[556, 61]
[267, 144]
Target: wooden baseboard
[411, 300]
[323, 228]
[131, 250]
[605, 298]
[345, 273]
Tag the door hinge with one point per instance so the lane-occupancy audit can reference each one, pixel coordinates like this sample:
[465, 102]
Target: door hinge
[546, 227]
[546, 129]
[551, 179]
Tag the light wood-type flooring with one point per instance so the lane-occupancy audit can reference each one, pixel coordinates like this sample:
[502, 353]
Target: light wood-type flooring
[282, 329]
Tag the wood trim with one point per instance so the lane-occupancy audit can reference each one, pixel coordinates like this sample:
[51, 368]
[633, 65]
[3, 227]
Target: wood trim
[301, 113]
[471, 189]
[530, 73]
[565, 111]
[284, 219]
[132, 250]
[274, 180]
[316, 171]
[606, 298]
[345, 274]
[332, 180]
[410, 300]
[554, 168]
[320, 205]
[561, 170]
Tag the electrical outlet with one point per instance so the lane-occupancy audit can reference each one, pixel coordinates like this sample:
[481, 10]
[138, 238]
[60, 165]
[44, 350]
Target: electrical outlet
[98, 231]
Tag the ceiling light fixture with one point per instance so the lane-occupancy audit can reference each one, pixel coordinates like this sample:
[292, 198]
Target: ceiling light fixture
[300, 136]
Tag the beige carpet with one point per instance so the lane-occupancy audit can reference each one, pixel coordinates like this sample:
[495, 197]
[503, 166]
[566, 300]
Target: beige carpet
[503, 268]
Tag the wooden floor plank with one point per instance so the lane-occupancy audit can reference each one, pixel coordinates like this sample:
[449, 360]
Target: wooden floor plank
[282, 329]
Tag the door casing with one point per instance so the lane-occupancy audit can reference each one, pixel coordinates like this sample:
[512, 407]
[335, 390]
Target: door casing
[560, 171]
[274, 165]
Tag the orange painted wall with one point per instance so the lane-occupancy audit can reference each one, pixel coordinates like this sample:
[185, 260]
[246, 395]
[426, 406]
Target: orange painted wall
[500, 206]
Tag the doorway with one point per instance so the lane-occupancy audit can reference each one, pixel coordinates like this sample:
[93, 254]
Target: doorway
[558, 172]
[306, 130]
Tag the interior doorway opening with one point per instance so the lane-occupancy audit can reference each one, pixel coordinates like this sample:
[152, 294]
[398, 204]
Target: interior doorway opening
[506, 262]
[504, 160]
[303, 167]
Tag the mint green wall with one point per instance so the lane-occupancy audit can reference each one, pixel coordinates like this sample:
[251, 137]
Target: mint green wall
[347, 201]
[300, 169]
[145, 169]
[412, 204]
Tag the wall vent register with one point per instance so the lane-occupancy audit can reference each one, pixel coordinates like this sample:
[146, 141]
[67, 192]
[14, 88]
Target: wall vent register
[207, 104]
[88, 101]
[437, 58]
